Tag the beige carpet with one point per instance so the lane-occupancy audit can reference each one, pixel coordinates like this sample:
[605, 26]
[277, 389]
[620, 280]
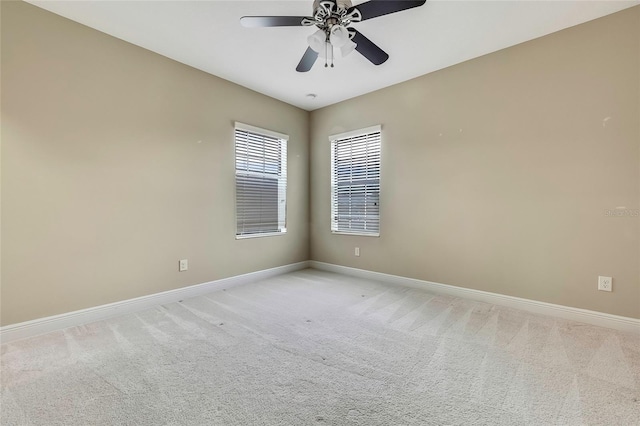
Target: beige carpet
[315, 348]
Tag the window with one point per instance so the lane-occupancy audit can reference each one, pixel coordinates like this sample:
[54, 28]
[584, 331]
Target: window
[355, 182]
[261, 181]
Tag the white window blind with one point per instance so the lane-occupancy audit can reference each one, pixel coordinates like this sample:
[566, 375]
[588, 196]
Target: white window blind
[261, 181]
[355, 182]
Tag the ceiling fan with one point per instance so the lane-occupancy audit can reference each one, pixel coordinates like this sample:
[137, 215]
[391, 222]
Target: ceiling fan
[333, 19]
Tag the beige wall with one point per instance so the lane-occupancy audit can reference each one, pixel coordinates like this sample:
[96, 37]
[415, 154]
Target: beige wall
[497, 172]
[116, 163]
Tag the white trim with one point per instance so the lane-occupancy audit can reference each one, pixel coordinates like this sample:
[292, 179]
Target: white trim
[259, 235]
[575, 314]
[358, 132]
[38, 326]
[359, 234]
[260, 131]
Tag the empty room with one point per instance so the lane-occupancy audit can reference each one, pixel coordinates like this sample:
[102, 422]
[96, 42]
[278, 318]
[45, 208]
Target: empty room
[338, 212]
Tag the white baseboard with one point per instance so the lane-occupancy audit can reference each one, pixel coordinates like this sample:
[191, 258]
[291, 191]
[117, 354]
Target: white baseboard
[575, 314]
[84, 316]
[58, 322]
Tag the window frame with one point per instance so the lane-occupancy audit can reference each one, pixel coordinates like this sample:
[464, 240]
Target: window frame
[282, 179]
[334, 140]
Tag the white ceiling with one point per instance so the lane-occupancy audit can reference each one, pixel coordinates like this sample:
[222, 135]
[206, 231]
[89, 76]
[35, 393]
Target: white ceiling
[207, 35]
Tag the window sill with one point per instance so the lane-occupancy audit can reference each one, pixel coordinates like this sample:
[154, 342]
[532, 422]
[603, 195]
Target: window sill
[359, 234]
[266, 234]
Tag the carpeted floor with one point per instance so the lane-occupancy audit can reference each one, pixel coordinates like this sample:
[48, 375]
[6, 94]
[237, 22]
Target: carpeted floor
[315, 348]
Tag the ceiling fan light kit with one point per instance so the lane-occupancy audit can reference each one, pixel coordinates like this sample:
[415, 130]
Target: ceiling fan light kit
[333, 18]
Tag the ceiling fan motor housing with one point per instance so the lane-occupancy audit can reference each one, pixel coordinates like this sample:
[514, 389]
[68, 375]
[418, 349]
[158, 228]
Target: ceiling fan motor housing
[340, 4]
[329, 13]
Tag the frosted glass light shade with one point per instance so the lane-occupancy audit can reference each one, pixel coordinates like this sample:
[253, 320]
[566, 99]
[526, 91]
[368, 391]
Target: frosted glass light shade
[317, 40]
[347, 48]
[339, 36]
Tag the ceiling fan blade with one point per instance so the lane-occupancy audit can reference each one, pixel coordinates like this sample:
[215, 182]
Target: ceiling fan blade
[272, 21]
[375, 8]
[307, 61]
[369, 49]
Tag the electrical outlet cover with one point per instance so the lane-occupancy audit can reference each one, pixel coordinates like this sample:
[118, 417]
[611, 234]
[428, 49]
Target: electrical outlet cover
[605, 283]
[183, 265]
